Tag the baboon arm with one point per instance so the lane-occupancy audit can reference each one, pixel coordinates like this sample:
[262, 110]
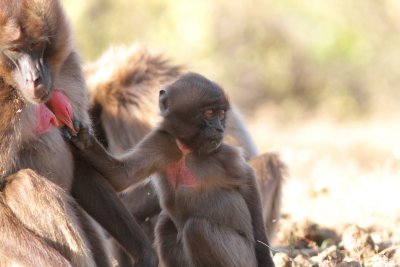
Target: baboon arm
[148, 157]
[153, 154]
[21, 245]
[99, 200]
[252, 198]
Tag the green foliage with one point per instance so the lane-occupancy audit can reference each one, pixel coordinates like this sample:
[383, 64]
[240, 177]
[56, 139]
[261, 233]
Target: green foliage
[335, 56]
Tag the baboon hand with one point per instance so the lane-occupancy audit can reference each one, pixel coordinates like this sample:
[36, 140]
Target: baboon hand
[82, 139]
[67, 131]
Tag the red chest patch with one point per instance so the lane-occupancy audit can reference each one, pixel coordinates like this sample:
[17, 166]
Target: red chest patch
[56, 112]
[179, 175]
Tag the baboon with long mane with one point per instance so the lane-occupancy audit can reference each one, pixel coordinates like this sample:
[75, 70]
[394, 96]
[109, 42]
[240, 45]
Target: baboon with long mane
[47, 191]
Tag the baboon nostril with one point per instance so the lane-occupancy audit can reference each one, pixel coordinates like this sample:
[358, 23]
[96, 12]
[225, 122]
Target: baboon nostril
[37, 82]
[40, 90]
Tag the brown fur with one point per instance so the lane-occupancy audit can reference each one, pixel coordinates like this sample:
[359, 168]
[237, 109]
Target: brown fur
[63, 234]
[54, 29]
[32, 244]
[124, 85]
[211, 208]
[40, 223]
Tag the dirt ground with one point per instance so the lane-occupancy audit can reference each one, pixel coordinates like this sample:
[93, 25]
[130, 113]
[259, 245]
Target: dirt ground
[341, 203]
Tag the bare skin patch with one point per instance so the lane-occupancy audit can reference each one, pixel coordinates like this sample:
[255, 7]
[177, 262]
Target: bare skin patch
[179, 175]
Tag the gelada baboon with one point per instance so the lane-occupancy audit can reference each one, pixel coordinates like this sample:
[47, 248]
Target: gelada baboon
[41, 224]
[124, 85]
[211, 208]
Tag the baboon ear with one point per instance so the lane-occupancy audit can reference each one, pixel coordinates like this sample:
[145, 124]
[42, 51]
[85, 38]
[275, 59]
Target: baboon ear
[163, 102]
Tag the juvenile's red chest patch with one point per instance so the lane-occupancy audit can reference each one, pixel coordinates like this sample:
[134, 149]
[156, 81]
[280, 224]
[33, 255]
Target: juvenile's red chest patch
[179, 175]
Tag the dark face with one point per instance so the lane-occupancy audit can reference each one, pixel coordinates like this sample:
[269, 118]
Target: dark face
[194, 112]
[211, 130]
[29, 70]
[33, 44]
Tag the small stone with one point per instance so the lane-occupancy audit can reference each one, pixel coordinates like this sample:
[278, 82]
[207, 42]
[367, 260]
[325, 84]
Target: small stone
[282, 260]
[358, 242]
[330, 256]
[303, 261]
[349, 264]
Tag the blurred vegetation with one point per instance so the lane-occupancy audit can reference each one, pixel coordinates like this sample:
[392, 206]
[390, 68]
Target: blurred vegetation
[303, 58]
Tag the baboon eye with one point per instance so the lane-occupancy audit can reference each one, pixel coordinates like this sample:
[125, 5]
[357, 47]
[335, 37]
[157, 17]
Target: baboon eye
[221, 114]
[13, 49]
[208, 113]
[36, 45]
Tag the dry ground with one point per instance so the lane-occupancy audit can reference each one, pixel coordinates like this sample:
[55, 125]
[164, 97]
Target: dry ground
[341, 204]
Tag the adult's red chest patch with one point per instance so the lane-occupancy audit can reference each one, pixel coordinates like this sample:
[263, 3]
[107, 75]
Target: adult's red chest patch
[56, 112]
[46, 119]
[179, 175]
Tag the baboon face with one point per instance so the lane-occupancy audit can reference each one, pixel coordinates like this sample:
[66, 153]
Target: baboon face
[194, 112]
[30, 48]
[29, 70]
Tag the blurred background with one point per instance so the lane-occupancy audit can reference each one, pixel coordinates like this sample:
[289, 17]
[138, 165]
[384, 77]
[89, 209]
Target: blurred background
[317, 81]
[335, 58]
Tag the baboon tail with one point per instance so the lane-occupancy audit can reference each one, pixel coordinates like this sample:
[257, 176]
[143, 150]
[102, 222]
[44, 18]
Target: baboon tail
[270, 172]
[124, 85]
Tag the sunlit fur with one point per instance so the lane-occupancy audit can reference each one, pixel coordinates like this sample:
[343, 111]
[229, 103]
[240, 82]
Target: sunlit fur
[124, 84]
[41, 224]
[48, 155]
[211, 209]
[25, 25]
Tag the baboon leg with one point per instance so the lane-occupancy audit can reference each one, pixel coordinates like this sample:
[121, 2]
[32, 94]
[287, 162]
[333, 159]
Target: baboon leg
[142, 202]
[21, 247]
[38, 224]
[169, 248]
[207, 244]
[270, 172]
[96, 237]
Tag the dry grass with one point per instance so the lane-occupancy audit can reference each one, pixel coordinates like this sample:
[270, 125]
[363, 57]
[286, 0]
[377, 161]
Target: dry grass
[342, 175]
